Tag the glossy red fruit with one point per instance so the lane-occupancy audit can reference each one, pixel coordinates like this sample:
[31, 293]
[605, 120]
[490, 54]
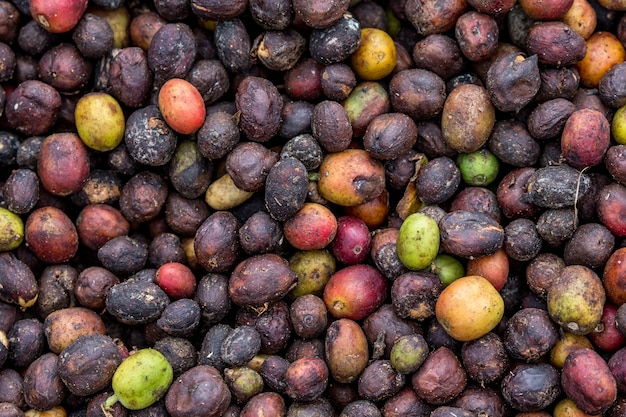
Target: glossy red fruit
[353, 240]
[587, 380]
[585, 138]
[63, 164]
[176, 279]
[355, 291]
[614, 277]
[182, 106]
[314, 226]
[494, 267]
[57, 16]
[609, 338]
[545, 10]
[51, 235]
[611, 207]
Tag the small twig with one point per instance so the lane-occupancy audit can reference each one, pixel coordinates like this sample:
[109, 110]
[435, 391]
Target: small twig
[580, 174]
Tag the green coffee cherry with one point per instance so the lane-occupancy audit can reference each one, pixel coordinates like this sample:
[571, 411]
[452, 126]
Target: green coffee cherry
[140, 380]
[418, 241]
[479, 168]
[447, 268]
[11, 230]
[99, 121]
[408, 353]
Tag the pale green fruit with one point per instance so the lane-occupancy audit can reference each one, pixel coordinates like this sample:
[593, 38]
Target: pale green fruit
[99, 121]
[408, 353]
[618, 125]
[314, 269]
[447, 268]
[141, 380]
[478, 168]
[11, 230]
[418, 241]
[576, 300]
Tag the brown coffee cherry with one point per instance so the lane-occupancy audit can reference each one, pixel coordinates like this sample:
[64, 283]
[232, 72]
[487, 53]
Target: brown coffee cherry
[63, 166]
[306, 379]
[272, 15]
[390, 135]
[418, 93]
[56, 287]
[65, 68]
[240, 345]
[43, 387]
[249, 163]
[218, 9]
[218, 135]
[233, 44]
[485, 359]
[26, 342]
[438, 180]
[130, 78]
[51, 235]
[337, 81]
[136, 302]
[12, 390]
[295, 119]
[555, 186]
[34, 39]
[92, 285]
[17, 281]
[477, 35]
[440, 378]
[591, 245]
[428, 18]
[557, 83]
[530, 334]
[261, 279]
[610, 87]
[216, 244]
[210, 78]
[457, 133]
[479, 199]
[286, 188]
[509, 193]
[264, 403]
[513, 80]
[380, 381]
[322, 14]
[96, 224]
[330, 125]
[172, 52]
[93, 36]
[279, 50]
[21, 190]
[540, 390]
[148, 138]
[555, 43]
[413, 295]
[440, 54]
[273, 326]
[521, 240]
[143, 196]
[470, 234]
[309, 316]
[335, 43]
[260, 105]
[186, 393]
[86, 365]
